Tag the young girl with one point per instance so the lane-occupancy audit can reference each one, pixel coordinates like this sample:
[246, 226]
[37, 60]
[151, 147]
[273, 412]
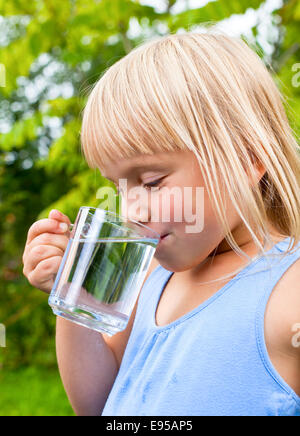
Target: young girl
[215, 330]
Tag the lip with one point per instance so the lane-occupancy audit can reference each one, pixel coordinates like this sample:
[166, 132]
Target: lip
[163, 236]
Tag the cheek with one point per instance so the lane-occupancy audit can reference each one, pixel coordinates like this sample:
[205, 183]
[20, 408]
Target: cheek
[188, 206]
[185, 205]
[195, 212]
[171, 206]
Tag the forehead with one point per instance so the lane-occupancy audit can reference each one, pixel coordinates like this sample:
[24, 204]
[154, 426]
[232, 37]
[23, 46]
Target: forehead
[138, 162]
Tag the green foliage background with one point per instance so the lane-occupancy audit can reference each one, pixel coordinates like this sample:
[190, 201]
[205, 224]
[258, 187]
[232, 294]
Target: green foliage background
[53, 51]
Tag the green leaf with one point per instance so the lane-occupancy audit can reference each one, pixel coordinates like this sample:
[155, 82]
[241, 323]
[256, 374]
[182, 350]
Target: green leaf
[212, 12]
[21, 132]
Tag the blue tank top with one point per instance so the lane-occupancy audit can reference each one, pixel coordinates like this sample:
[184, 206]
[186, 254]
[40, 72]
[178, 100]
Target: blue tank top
[211, 361]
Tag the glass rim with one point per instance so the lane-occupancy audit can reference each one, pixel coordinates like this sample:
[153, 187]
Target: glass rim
[122, 217]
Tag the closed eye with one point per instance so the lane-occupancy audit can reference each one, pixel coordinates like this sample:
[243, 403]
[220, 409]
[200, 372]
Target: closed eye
[150, 185]
[153, 184]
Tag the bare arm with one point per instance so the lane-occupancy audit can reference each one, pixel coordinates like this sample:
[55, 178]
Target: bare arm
[89, 361]
[87, 366]
[282, 326]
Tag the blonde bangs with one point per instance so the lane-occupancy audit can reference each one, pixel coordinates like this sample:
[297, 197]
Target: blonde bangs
[127, 112]
[210, 94]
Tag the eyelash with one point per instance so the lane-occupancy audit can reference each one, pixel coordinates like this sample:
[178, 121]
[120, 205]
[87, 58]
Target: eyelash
[149, 185]
[153, 184]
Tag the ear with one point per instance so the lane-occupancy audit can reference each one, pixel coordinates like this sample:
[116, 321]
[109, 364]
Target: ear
[259, 171]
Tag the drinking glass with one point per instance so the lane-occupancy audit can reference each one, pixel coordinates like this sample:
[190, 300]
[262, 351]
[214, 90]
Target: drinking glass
[102, 270]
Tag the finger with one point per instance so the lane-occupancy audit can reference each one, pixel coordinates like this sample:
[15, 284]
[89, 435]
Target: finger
[44, 239]
[45, 225]
[59, 241]
[44, 270]
[59, 216]
[39, 253]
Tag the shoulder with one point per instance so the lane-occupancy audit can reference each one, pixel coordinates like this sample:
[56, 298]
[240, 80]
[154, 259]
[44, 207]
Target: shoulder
[282, 326]
[282, 316]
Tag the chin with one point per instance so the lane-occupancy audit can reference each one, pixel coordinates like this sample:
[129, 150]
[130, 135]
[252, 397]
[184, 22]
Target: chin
[172, 266]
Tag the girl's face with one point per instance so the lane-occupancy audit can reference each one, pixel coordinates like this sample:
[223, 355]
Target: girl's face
[166, 192]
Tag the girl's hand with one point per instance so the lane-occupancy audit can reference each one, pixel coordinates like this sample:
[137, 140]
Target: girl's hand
[46, 243]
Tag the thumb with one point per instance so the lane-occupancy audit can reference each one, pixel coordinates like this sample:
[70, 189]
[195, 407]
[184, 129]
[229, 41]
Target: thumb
[57, 215]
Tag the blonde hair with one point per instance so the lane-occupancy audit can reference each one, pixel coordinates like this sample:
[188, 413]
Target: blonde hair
[211, 94]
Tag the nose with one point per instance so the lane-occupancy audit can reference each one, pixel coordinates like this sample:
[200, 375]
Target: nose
[136, 207]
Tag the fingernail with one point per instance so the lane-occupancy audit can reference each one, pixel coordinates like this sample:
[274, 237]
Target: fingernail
[56, 211]
[63, 227]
